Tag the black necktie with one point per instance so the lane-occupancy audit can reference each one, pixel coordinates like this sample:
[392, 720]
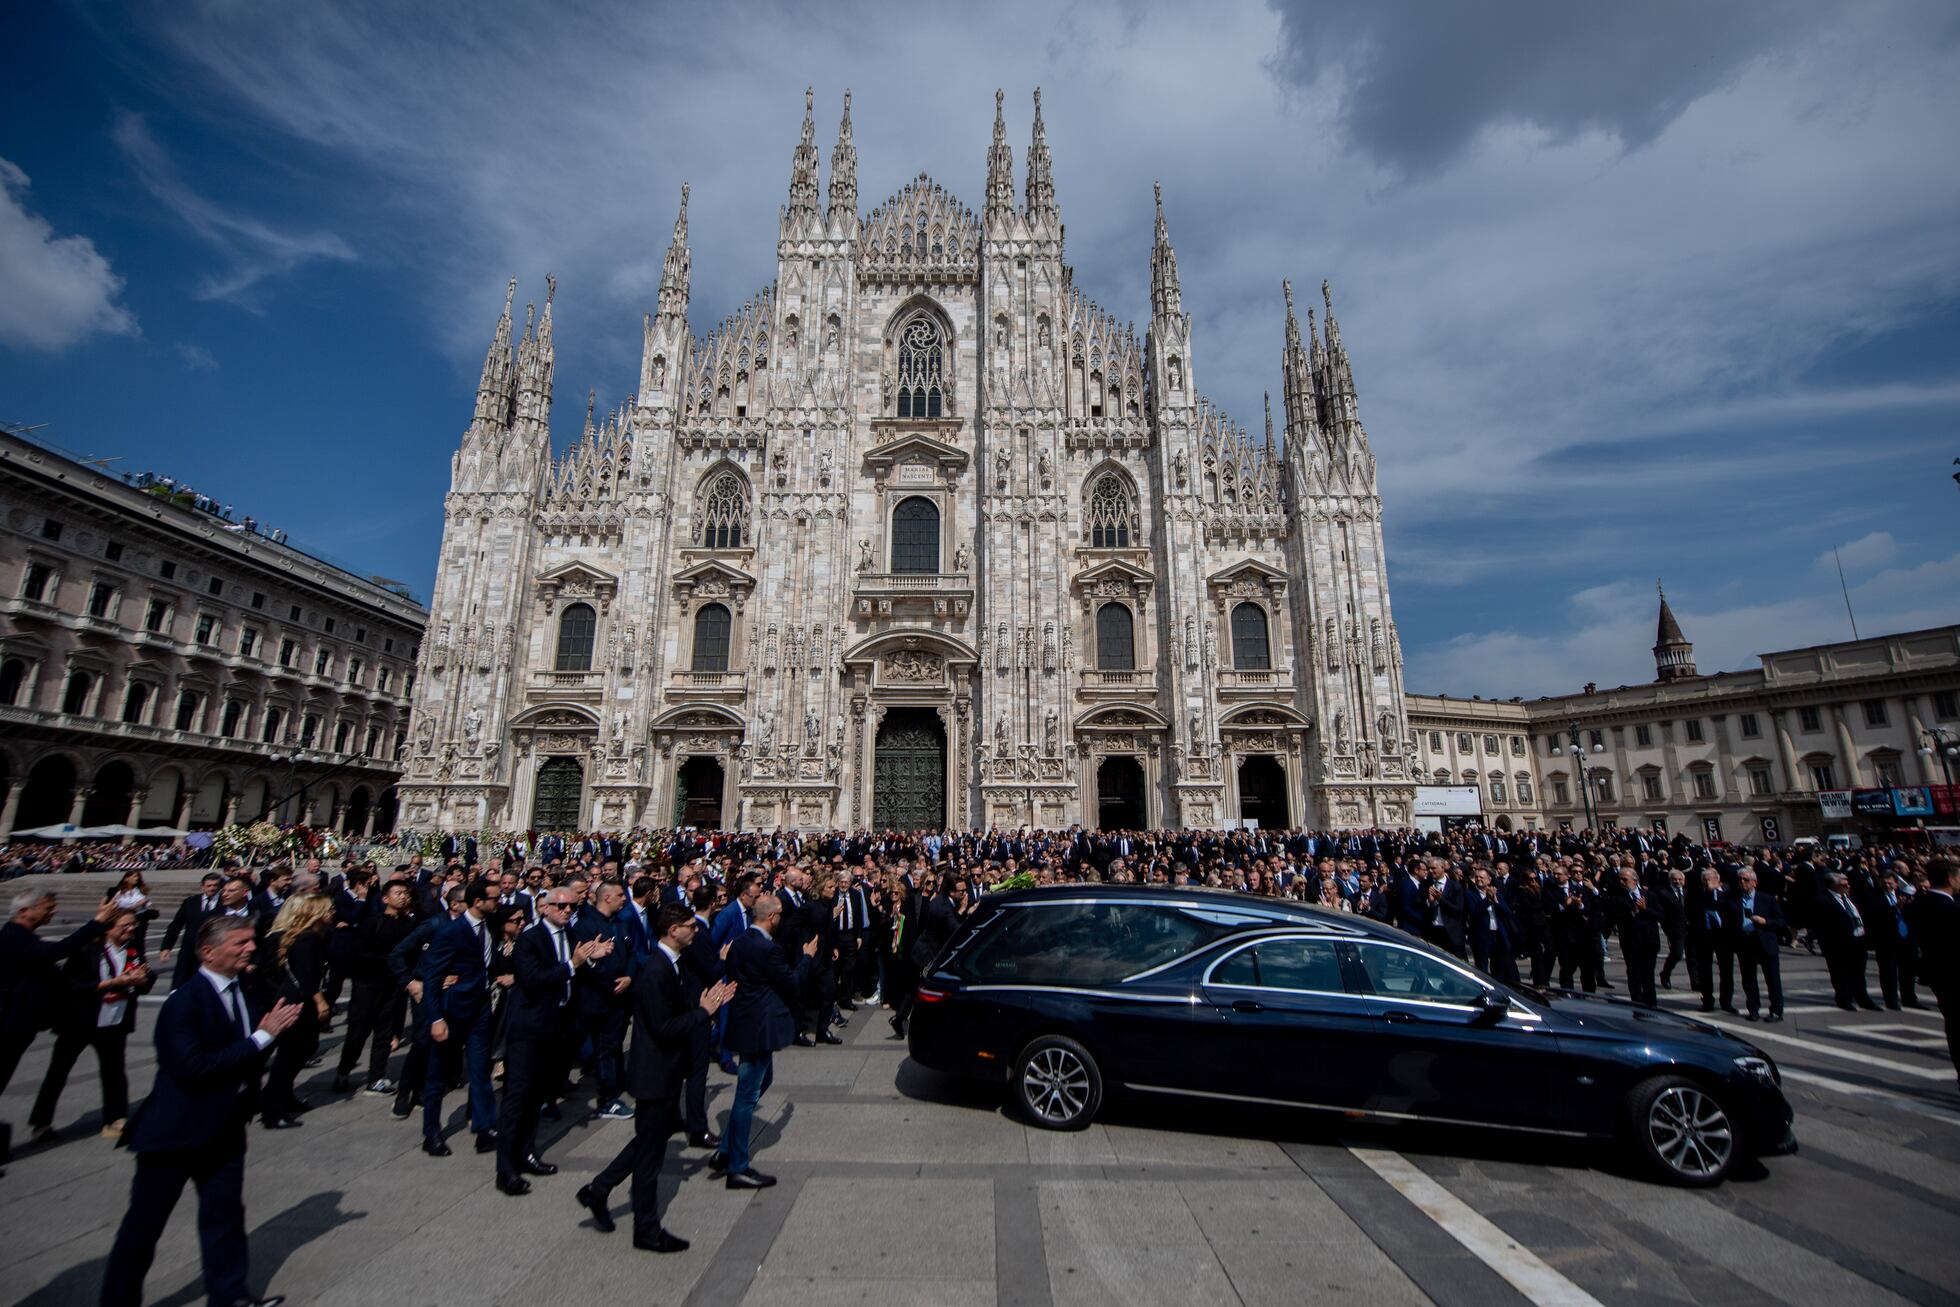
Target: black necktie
[236, 1009]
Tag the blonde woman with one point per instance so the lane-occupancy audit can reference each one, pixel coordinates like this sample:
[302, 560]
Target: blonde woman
[297, 949]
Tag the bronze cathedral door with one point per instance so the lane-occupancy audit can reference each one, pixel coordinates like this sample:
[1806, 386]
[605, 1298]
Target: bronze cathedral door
[908, 787]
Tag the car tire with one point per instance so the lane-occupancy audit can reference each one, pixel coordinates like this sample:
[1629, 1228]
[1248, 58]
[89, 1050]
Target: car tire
[1681, 1132]
[1057, 1084]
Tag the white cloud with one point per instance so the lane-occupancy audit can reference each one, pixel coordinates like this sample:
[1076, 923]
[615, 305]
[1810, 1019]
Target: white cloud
[1610, 632]
[197, 358]
[55, 291]
[1864, 552]
[253, 250]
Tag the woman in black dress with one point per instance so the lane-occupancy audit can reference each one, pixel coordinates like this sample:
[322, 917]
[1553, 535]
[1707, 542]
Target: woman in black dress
[298, 945]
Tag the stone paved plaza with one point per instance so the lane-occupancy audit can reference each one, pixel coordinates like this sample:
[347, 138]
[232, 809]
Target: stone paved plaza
[900, 1187]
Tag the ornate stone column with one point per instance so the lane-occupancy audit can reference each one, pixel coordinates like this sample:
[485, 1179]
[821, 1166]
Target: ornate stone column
[137, 798]
[184, 801]
[82, 793]
[10, 810]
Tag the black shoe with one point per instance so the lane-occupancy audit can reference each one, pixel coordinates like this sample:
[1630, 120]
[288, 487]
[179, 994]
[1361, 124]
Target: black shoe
[1707, 1006]
[516, 1186]
[1849, 1007]
[827, 1038]
[595, 1202]
[661, 1242]
[281, 1122]
[804, 1041]
[717, 1162]
[1892, 1007]
[1867, 1005]
[316, 1059]
[1730, 1009]
[6, 1142]
[1774, 1016]
[707, 1139]
[1751, 1016]
[343, 1085]
[295, 1105]
[550, 1112]
[750, 1179]
[270, 1300]
[437, 1147]
[1914, 1004]
[532, 1164]
[898, 1028]
[402, 1109]
[847, 1007]
[486, 1141]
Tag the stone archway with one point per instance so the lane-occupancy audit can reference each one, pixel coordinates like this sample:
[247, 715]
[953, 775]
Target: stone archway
[558, 797]
[109, 795]
[1119, 794]
[49, 794]
[699, 784]
[1262, 792]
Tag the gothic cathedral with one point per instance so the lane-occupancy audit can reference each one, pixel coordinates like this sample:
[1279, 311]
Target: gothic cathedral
[920, 537]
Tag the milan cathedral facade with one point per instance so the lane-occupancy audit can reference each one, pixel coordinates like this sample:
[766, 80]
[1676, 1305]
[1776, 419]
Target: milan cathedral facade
[920, 537]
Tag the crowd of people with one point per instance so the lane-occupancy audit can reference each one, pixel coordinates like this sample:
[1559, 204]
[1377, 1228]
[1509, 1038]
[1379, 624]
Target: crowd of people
[645, 960]
[27, 858]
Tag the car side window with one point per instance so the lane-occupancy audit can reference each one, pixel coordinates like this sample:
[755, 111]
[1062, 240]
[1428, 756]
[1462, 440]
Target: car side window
[1403, 973]
[1303, 964]
[1095, 943]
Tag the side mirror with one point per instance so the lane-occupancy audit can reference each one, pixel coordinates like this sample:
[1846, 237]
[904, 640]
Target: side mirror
[1492, 1008]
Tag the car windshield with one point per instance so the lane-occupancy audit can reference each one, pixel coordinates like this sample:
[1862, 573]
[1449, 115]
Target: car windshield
[1086, 943]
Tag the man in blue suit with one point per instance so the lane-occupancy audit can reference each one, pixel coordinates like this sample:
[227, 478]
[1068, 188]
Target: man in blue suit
[191, 1129]
[1755, 920]
[730, 923]
[760, 1020]
[455, 979]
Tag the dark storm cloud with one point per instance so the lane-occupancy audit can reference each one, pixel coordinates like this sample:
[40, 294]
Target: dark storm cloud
[1421, 81]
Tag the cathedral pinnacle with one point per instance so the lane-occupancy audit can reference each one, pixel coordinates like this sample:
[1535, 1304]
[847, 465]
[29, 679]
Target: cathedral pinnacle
[673, 272]
[493, 390]
[1165, 299]
[1041, 176]
[803, 167]
[843, 171]
[1000, 166]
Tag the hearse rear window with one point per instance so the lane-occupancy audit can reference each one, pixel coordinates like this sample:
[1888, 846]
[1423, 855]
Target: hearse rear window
[1096, 943]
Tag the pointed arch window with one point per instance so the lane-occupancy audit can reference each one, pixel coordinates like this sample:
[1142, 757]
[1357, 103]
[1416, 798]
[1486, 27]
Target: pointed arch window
[921, 369]
[575, 629]
[1251, 650]
[1110, 513]
[711, 627]
[1115, 638]
[915, 535]
[724, 511]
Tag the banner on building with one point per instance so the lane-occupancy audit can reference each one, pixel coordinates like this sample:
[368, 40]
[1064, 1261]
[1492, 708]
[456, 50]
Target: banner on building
[1836, 804]
[1872, 803]
[1772, 831]
[1711, 830]
[1912, 801]
[1448, 801]
[1946, 799]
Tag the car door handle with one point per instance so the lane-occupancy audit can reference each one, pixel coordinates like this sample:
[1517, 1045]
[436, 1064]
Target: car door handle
[1247, 1005]
[1400, 1018]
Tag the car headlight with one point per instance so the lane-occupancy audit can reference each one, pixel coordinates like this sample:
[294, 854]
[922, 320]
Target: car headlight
[1760, 1067]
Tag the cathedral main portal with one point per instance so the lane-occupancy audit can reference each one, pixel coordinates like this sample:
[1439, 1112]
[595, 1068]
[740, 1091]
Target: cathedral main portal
[908, 789]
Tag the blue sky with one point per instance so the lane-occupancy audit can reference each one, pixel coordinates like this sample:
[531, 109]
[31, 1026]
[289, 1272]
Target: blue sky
[1667, 290]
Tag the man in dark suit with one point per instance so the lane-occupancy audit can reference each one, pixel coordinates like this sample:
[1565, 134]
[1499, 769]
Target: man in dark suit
[1891, 936]
[182, 930]
[935, 920]
[1755, 921]
[1631, 914]
[760, 1021]
[1489, 929]
[455, 976]
[1936, 932]
[539, 1040]
[191, 1129]
[604, 1010]
[665, 1023]
[700, 968]
[1670, 900]
[1710, 945]
[30, 978]
[1841, 931]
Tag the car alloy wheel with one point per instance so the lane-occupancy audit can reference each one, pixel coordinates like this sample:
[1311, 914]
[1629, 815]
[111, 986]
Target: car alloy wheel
[1690, 1134]
[1058, 1084]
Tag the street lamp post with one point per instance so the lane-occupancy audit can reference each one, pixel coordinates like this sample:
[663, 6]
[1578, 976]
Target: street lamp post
[1578, 752]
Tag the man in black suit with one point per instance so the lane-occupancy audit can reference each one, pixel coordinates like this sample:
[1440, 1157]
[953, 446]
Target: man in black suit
[700, 968]
[31, 988]
[937, 918]
[1755, 921]
[1841, 931]
[191, 1129]
[182, 930]
[665, 1023]
[604, 1010]
[1630, 912]
[1670, 899]
[760, 1021]
[1936, 932]
[539, 1039]
[455, 976]
[1710, 944]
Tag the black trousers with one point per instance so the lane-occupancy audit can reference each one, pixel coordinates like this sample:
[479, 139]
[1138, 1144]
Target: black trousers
[1673, 958]
[1640, 957]
[1895, 978]
[654, 1121]
[701, 1049]
[1754, 958]
[847, 967]
[1847, 966]
[218, 1171]
[535, 1065]
[607, 1032]
[1581, 955]
[15, 1039]
[108, 1044]
[1706, 952]
[300, 1041]
[1948, 997]
[374, 1013]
